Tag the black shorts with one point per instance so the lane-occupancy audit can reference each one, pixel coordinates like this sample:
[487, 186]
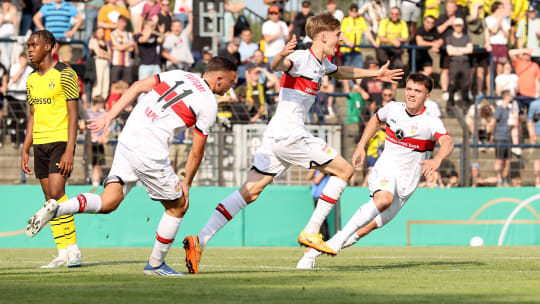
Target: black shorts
[47, 158]
[98, 154]
[445, 60]
[423, 60]
[502, 149]
[480, 59]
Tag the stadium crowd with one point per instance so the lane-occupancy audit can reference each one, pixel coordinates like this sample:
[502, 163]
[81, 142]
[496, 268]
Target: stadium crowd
[134, 39]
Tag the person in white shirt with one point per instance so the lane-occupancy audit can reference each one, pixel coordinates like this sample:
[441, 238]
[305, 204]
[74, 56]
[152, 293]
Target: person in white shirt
[528, 31]
[175, 100]
[176, 47]
[376, 12]
[331, 7]
[506, 81]
[274, 32]
[286, 141]
[499, 29]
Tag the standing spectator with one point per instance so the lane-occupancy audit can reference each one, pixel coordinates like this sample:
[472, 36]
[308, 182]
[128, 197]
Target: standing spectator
[147, 43]
[479, 59]
[57, 17]
[228, 25]
[331, 7]
[393, 32]
[506, 81]
[352, 28]
[528, 73]
[376, 12]
[298, 25]
[181, 10]
[200, 66]
[231, 51]
[109, 17]
[150, 12]
[318, 182]
[458, 47]
[135, 11]
[502, 139]
[165, 16]
[101, 54]
[274, 32]
[123, 46]
[278, 3]
[91, 10]
[7, 30]
[498, 26]
[30, 8]
[246, 50]
[176, 47]
[427, 36]
[99, 140]
[528, 31]
[533, 123]
[411, 14]
[432, 8]
[18, 74]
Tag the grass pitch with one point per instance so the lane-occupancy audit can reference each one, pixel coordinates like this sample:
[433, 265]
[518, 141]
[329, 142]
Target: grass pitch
[254, 275]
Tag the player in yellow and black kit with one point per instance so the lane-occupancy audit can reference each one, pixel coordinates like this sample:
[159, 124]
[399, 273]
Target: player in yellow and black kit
[53, 93]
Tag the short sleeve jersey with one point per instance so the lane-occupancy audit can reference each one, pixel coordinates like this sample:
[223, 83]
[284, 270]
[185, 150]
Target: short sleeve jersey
[299, 86]
[178, 101]
[408, 138]
[49, 94]
[58, 20]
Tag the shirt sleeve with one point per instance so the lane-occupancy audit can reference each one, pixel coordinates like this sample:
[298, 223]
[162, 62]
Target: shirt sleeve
[404, 30]
[72, 10]
[437, 128]
[382, 113]
[266, 29]
[498, 113]
[70, 84]
[205, 120]
[43, 10]
[329, 67]
[294, 58]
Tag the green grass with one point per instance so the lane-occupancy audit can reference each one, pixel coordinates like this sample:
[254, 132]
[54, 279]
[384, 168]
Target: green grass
[254, 275]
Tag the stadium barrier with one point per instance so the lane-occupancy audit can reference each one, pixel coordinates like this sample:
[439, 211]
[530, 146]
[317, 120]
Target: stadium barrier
[431, 217]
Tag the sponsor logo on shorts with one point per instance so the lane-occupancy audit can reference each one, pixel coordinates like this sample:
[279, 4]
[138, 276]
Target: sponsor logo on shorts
[178, 186]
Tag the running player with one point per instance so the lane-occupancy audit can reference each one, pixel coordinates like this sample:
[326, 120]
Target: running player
[176, 100]
[53, 94]
[411, 133]
[286, 141]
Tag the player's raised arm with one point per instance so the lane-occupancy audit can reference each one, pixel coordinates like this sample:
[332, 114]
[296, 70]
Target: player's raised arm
[359, 154]
[280, 62]
[104, 121]
[383, 74]
[431, 165]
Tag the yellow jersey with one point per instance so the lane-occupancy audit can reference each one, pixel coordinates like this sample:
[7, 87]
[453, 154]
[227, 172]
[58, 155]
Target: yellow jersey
[49, 94]
[352, 29]
[375, 143]
[434, 11]
[391, 30]
[519, 9]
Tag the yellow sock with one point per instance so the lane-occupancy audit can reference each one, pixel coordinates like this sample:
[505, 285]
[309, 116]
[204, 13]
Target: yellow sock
[67, 224]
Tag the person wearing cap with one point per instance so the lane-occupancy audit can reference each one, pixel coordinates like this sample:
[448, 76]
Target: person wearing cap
[176, 46]
[200, 66]
[352, 28]
[458, 47]
[231, 51]
[528, 32]
[274, 32]
[499, 30]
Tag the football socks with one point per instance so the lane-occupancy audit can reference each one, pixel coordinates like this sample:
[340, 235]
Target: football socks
[330, 195]
[82, 203]
[166, 232]
[360, 218]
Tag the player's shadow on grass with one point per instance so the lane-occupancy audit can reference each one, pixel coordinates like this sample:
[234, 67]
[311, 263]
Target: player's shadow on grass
[44, 272]
[109, 263]
[402, 266]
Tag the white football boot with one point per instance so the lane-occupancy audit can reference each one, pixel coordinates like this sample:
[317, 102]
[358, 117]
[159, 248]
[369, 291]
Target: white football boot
[41, 218]
[74, 258]
[56, 262]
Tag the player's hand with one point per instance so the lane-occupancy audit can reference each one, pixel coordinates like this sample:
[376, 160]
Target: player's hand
[386, 75]
[289, 48]
[24, 163]
[185, 194]
[100, 123]
[66, 163]
[429, 166]
[358, 158]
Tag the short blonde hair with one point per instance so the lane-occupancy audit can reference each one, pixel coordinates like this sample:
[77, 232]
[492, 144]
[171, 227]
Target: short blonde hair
[324, 22]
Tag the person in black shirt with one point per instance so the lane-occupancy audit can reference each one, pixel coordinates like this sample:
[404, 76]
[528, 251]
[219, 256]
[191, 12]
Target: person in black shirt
[231, 51]
[458, 47]
[427, 36]
[298, 25]
[147, 43]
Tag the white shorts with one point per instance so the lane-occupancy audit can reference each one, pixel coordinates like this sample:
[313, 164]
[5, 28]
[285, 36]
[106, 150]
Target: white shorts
[274, 156]
[410, 12]
[379, 181]
[157, 177]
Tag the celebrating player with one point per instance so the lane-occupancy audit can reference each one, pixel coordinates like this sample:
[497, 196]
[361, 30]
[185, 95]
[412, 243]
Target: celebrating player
[411, 131]
[53, 94]
[176, 100]
[287, 142]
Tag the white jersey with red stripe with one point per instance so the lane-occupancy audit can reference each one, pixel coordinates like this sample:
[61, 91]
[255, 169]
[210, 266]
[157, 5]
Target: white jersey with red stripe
[409, 138]
[178, 101]
[299, 86]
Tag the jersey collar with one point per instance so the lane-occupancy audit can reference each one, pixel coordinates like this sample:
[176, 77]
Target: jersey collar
[411, 115]
[311, 51]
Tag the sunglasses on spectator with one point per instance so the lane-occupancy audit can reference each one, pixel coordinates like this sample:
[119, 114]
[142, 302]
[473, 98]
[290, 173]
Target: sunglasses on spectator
[387, 95]
[274, 13]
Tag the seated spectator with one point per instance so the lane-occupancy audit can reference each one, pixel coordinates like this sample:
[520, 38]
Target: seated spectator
[506, 81]
[458, 47]
[484, 115]
[533, 124]
[392, 32]
[109, 17]
[123, 46]
[101, 54]
[99, 140]
[331, 7]
[200, 66]
[498, 26]
[57, 16]
[256, 98]
[453, 180]
[433, 180]
[231, 51]
[298, 25]
[427, 36]
[258, 61]
[477, 181]
[528, 74]
[274, 32]
[176, 48]
[527, 33]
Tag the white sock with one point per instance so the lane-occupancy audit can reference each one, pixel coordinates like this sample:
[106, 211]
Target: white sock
[225, 211]
[62, 253]
[330, 195]
[353, 239]
[360, 218]
[73, 247]
[82, 203]
[165, 235]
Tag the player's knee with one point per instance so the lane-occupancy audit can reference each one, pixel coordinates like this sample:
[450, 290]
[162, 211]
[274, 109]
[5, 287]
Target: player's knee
[56, 194]
[109, 206]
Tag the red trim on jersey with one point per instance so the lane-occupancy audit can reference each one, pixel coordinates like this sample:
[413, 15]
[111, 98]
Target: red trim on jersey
[164, 240]
[199, 131]
[185, 113]
[377, 114]
[311, 51]
[224, 211]
[327, 199]
[161, 88]
[438, 135]
[156, 77]
[292, 65]
[82, 202]
[421, 145]
[299, 84]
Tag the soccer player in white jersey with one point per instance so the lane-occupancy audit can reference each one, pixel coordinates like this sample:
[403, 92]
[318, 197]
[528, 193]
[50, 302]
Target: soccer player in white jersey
[174, 101]
[411, 133]
[287, 142]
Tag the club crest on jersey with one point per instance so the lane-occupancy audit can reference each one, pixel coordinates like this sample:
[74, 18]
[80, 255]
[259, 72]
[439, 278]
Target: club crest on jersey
[414, 129]
[400, 134]
[384, 182]
[51, 84]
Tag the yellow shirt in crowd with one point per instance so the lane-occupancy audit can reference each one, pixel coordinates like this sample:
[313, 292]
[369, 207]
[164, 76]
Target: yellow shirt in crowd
[391, 30]
[352, 29]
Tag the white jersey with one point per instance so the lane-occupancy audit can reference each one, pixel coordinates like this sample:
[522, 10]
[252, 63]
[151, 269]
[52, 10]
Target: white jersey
[408, 138]
[178, 101]
[299, 86]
